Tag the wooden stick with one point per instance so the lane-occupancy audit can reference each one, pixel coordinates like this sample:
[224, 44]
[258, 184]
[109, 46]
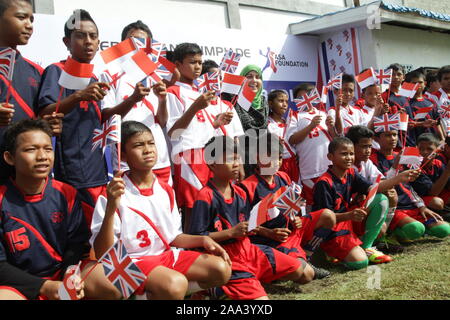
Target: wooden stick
[58, 102]
[89, 272]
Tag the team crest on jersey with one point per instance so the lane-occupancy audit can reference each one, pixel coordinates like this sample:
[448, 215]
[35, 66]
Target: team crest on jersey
[33, 82]
[242, 217]
[218, 225]
[57, 217]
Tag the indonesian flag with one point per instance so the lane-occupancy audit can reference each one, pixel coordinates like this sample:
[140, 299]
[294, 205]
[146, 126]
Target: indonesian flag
[245, 97]
[403, 123]
[408, 90]
[109, 134]
[372, 192]
[7, 61]
[139, 66]
[367, 78]
[121, 271]
[264, 210]
[75, 75]
[324, 96]
[232, 83]
[68, 289]
[411, 156]
[422, 113]
[118, 54]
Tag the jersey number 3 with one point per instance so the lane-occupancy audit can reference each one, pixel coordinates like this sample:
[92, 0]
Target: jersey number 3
[17, 240]
[143, 236]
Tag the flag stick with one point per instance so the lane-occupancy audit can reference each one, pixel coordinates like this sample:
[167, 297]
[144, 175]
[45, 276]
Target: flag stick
[8, 92]
[113, 82]
[89, 272]
[58, 102]
[118, 155]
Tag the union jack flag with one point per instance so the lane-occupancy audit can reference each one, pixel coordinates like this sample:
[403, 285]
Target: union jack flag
[230, 61]
[384, 76]
[335, 82]
[109, 134]
[165, 68]
[306, 101]
[121, 271]
[7, 60]
[290, 202]
[142, 43]
[386, 123]
[444, 109]
[209, 81]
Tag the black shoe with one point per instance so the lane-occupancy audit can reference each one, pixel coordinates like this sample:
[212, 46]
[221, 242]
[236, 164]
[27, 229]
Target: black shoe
[390, 248]
[320, 273]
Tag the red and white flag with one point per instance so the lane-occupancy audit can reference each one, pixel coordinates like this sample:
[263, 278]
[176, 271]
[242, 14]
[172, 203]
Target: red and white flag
[246, 96]
[118, 54]
[139, 66]
[307, 101]
[109, 134]
[403, 122]
[230, 61]
[121, 271]
[264, 210]
[232, 83]
[408, 90]
[7, 61]
[76, 75]
[422, 113]
[372, 192]
[411, 156]
[367, 78]
[72, 279]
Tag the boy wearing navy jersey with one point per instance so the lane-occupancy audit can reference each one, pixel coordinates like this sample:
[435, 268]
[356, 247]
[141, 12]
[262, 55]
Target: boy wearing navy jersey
[286, 236]
[16, 28]
[76, 163]
[42, 226]
[335, 190]
[221, 211]
[395, 101]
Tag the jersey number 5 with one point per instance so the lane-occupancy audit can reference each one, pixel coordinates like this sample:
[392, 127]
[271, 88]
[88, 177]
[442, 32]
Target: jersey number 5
[143, 236]
[17, 240]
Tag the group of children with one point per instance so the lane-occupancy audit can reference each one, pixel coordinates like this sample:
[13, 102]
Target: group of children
[180, 200]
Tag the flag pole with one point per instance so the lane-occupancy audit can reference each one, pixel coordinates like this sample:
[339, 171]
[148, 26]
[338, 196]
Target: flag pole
[58, 102]
[89, 272]
[119, 145]
[8, 92]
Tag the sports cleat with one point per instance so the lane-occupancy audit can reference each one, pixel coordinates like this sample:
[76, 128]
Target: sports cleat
[210, 294]
[320, 273]
[332, 259]
[376, 256]
[390, 244]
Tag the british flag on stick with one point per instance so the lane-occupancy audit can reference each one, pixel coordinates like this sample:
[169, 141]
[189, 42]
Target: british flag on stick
[7, 61]
[121, 271]
[307, 101]
[384, 76]
[210, 81]
[386, 123]
[108, 134]
[230, 61]
[290, 203]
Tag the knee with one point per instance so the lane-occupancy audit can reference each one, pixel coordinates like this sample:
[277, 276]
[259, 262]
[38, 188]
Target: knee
[436, 203]
[383, 201]
[327, 219]
[220, 273]
[307, 276]
[411, 231]
[441, 230]
[174, 287]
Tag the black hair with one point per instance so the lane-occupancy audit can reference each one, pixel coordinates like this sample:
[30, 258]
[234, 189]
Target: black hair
[11, 134]
[414, 74]
[302, 87]
[428, 137]
[397, 67]
[348, 78]
[184, 49]
[138, 25]
[447, 140]
[219, 146]
[337, 142]
[5, 4]
[431, 77]
[371, 86]
[442, 71]
[70, 24]
[274, 94]
[208, 64]
[356, 133]
[130, 128]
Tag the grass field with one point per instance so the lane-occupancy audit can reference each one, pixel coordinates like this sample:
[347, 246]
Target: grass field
[422, 271]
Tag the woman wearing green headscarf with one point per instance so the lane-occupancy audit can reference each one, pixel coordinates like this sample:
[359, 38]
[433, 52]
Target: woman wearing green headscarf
[256, 117]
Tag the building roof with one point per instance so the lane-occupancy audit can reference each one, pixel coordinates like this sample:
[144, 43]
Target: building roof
[368, 14]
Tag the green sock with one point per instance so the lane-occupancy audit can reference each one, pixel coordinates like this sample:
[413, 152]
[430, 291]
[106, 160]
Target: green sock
[439, 231]
[410, 231]
[356, 265]
[378, 210]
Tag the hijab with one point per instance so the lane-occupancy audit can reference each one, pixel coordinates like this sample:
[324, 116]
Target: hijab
[257, 102]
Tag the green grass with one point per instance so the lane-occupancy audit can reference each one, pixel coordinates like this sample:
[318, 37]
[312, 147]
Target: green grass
[421, 272]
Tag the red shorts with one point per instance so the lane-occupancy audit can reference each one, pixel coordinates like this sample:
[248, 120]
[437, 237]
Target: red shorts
[253, 264]
[89, 198]
[402, 214]
[344, 240]
[167, 259]
[189, 176]
[292, 247]
[445, 195]
[164, 174]
[307, 191]
[290, 166]
[309, 223]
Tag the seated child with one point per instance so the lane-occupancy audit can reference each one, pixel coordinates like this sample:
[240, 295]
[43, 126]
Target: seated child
[140, 210]
[221, 211]
[42, 227]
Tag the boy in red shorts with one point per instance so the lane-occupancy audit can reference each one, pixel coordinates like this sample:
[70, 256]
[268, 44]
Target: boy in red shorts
[140, 210]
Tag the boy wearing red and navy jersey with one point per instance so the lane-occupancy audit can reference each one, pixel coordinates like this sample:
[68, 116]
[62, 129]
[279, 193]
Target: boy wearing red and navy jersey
[42, 227]
[395, 101]
[16, 19]
[411, 214]
[141, 211]
[76, 163]
[335, 190]
[221, 211]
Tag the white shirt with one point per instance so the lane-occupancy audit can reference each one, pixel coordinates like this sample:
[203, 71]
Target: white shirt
[350, 116]
[234, 128]
[368, 170]
[366, 115]
[137, 234]
[280, 130]
[144, 112]
[312, 151]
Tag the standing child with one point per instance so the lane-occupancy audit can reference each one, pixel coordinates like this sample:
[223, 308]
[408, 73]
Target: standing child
[278, 104]
[42, 227]
[140, 210]
[76, 163]
[395, 101]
